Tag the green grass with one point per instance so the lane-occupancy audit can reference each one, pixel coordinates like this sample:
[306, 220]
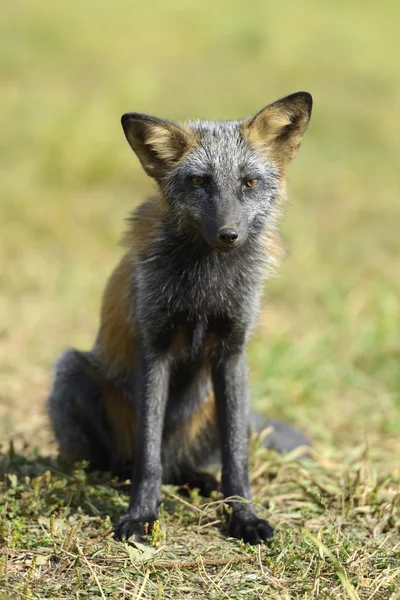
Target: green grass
[326, 354]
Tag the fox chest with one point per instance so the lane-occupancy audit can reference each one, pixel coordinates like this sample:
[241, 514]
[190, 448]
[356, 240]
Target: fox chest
[189, 333]
[193, 311]
[188, 337]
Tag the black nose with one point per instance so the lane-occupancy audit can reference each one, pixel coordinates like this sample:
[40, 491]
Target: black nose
[228, 236]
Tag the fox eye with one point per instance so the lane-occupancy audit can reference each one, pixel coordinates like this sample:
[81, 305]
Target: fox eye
[251, 182]
[197, 180]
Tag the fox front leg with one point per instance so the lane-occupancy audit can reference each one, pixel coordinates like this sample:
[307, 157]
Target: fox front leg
[230, 387]
[151, 399]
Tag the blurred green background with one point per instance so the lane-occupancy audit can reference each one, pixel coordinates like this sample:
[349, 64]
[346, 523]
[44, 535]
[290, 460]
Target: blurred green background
[326, 354]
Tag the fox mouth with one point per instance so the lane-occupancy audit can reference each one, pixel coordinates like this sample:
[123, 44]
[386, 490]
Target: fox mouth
[226, 248]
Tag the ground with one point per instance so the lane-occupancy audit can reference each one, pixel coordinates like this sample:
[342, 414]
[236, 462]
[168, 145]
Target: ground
[326, 353]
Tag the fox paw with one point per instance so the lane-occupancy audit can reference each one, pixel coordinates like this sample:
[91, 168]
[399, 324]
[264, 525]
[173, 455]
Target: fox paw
[250, 529]
[130, 528]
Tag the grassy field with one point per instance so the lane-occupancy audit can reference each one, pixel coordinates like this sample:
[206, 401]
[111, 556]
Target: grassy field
[326, 355]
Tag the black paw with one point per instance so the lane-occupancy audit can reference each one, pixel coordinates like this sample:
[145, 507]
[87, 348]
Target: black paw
[250, 529]
[128, 527]
[204, 482]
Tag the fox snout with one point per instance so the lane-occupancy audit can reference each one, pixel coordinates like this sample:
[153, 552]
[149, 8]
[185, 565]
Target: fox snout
[226, 239]
[228, 236]
[222, 236]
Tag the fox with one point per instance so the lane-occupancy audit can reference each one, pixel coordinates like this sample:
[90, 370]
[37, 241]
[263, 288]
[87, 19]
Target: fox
[163, 392]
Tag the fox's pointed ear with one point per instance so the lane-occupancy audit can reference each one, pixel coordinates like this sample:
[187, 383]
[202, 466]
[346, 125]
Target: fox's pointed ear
[277, 129]
[159, 145]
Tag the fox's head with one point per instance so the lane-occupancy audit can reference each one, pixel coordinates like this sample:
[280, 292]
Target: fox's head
[222, 180]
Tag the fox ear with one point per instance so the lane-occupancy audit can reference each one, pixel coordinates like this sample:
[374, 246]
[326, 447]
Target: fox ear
[159, 145]
[278, 128]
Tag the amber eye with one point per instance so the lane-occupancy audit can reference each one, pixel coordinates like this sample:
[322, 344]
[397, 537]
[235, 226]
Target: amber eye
[197, 180]
[251, 182]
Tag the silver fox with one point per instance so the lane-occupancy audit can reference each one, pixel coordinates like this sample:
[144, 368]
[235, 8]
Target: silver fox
[164, 389]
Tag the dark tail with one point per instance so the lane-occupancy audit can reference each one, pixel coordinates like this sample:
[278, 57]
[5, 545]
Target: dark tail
[282, 438]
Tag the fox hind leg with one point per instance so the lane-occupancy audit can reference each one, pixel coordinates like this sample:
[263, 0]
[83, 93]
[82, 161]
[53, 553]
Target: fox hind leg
[188, 480]
[77, 414]
[191, 450]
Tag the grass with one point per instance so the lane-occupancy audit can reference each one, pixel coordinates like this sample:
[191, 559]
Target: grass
[326, 354]
[336, 535]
